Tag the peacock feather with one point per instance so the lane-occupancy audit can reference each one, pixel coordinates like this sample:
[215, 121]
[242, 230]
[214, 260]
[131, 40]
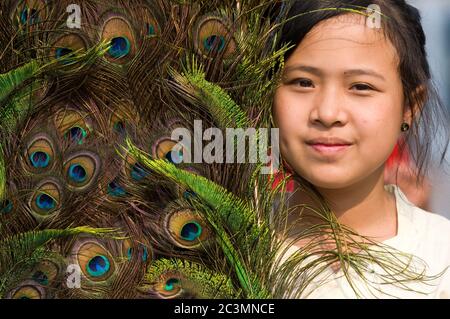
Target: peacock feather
[29, 259]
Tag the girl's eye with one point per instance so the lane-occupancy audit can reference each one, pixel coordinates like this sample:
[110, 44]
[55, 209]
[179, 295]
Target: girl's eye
[304, 83]
[362, 87]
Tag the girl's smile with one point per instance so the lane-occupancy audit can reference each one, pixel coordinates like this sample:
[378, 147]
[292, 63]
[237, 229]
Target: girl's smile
[329, 147]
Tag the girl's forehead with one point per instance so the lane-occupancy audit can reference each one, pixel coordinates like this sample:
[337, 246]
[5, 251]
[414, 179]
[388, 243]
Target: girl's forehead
[347, 26]
[349, 33]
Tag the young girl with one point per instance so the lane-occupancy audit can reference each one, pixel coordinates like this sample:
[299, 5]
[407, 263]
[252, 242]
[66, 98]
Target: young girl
[349, 91]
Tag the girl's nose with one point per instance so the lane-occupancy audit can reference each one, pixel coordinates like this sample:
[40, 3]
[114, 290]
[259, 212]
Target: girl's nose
[329, 109]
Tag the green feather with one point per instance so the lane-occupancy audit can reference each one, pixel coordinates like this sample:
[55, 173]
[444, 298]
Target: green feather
[197, 280]
[15, 78]
[198, 90]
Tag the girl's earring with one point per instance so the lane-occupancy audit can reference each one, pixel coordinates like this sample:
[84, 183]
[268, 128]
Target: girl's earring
[405, 127]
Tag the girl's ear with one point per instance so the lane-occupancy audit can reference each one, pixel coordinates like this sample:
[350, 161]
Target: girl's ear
[417, 100]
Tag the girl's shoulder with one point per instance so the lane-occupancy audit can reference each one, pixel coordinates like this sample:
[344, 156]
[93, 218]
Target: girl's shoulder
[425, 235]
[421, 233]
[420, 220]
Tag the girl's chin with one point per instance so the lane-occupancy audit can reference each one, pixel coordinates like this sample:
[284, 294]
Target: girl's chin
[330, 181]
[330, 185]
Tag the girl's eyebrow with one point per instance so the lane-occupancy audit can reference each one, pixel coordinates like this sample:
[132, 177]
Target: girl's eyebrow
[318, 72]
[364, 72]
[306, 68]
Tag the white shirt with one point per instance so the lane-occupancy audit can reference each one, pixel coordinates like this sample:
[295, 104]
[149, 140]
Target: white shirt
[420, 233]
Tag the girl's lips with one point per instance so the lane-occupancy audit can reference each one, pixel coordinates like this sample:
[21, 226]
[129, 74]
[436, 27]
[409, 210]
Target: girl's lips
[329, 149]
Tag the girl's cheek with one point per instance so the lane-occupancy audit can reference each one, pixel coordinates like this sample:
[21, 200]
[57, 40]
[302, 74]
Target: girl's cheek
[377, 137]
[291, 126]
[290, 112]
[284, 114]
[374, 118]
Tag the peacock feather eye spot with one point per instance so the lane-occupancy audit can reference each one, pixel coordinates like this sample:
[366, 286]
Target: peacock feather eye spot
[94, 260]
[171, 283]
[129, 253]
[61, 52]
[187, 229]
[24, 16]
[76, 134]
[98, 266]
[138, 172]
[150, 29]
[119, 127]
[81, 170]
[214, 43]
[191, 231]
[120, 34]
[40, 277]
[213, 36]
[39, 154]
[28, 292]
[145, 254]
[120, 47]
[72, 125]
[115, 190]
[6, 207]
[45, 202]
[30, 16]
[189, 194]
[40, 159]
[34, 16]
[46, 199]
[46, 272]
[170, 150]
[77, 173]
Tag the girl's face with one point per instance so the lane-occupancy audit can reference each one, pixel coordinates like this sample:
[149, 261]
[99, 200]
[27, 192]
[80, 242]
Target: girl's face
[340, 104]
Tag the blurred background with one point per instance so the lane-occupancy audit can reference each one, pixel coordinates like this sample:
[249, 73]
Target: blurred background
[436, 22]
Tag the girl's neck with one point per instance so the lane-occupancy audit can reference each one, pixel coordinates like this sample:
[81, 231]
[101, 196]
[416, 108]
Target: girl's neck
[366, 207]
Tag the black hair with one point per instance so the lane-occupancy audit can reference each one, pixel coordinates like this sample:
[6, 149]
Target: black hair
[401, 24]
